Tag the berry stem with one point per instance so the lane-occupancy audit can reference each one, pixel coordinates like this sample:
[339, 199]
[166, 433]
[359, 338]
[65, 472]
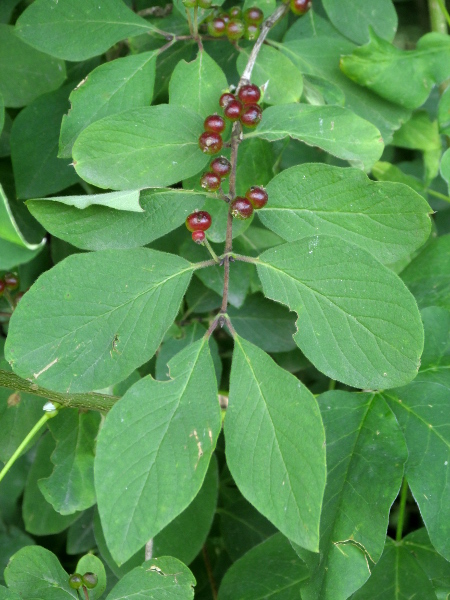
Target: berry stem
[205, 263]
[191, 28]
[9, 299]
[244, 258]
[196, 35]
[149, 549]
[211, 251]
[438, 16]
[402, 510]
[86, 594]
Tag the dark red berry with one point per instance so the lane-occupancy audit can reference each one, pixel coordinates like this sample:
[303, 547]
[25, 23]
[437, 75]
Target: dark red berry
[198, 221]
[221, 166]
[252, 31]
[300, 7]
[198, 236]
[241, 208]
[235, 12]
[251, 115]
[217, 27]
[233, 110]
[254, 15]
[225, 99]
[75, 581]
[210, 142]
[90, 580]
[235, 29]
[257, 196]
[210, 181]
[11, 280]
[249, 94]
[2, 287]
[214, 123]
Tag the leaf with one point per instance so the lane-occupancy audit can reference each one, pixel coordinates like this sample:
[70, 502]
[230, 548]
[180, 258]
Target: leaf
[25, 73]
[6, 9]
[436, 353]
[388, 220]
[427, 275]
[437, 568]
[36, 573]
[271, 569]
[357, 322]
[9, 228]
[397, 575]
[354, 20]
[401, 76]
[12, 539]
[126, 201]
[91, 564]
[2, 113]
[332, 128]
[152, 457]
[12, 255]
[285, 82]
[444, 112]
[275, 444]
[100, 227]
[361, 487]
[384, 171]
[96, 335]
[78, 31]
[80, 535]
[70, 488]
[423, 412]
[445, 167]
[197, 85]
[164, 577]
[153, 146]
[6, 594]
[113, 87]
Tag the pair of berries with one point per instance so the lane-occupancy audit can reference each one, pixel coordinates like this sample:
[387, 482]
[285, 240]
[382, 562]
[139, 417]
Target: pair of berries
[198, 222]
[210, 141]
[9, 281]
[255, 198]
[244, 107]
[236, 24]
[88, 580]
[220, 168]
[299, 7]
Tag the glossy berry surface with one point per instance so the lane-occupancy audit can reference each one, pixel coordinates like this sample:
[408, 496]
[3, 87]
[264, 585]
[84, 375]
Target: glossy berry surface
[2, 287]
[257, 196]
[210, 181]
[241, 208]
[210, 142]
[11, 281]
[225, 17]
[251, 115]
[252, 31]
[225, 99]
[300, 7]
[254, 15]
[90, 580]
[198, 221]
[249, 94]
[198, 236]
[217, 27]
[233, 110]
[75, 581]
[221, 166]
[235, 29]
[214, 123]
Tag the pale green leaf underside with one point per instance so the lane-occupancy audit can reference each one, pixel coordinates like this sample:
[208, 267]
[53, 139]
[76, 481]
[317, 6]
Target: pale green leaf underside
[127, 200]
[357, 321]
[9, 229]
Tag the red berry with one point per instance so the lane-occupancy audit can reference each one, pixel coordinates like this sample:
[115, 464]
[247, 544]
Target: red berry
[225, 99]
[249, 94]
[214, 123]
[241, 208]
[11, 280]
[252, 31]
[198, 236]
[198, 221]
[254, 15]
[210, 181]
[221, 166]
[233, 110]
[235, 29]
[235, 12]
[216, 27]
[2, 287]
[210, 142]
[251, 116]
[257, 196]
[300, 7]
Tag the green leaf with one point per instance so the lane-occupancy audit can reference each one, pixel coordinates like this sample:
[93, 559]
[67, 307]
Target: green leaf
[12, 539]
[12, 255]
[267, 6]
[36, 573]
[9, 228]
[176, 433]
[25, 73]
[271, 570]
[354, 20]
[2, 113]
[153, 146]
[335, 129]
[357, 323]
[113, 87]
[397, 575]
[101, 227]
[275, 444]
[34, 147]
[435, 362]
[197, 85]
[70, 488]
[318, 91]
[427, 275]
[77, 31]
[361, 487]
[201, 299]
[437, 568]
[285, 82]
[91, 564]
[445, 167]
[164, 577]
[6, 594]
[80, 535]
[444, 112]
[401, 76]
[384, 171]
[39, 516]
[264, 323]
[6, 9]
[96, 335]
[320, 199]
[423, 412]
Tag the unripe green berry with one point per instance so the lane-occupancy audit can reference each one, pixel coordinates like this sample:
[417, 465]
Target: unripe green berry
[252, 32]
[75, 581]
[216, 27]
[235, 29]
[254, 15]
[90, 580]
[235, 12]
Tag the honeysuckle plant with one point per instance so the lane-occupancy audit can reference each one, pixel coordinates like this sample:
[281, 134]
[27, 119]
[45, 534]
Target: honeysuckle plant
[224, 300]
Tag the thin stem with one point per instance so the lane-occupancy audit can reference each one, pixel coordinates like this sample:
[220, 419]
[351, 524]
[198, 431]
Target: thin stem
[86, 593]
[9, 299]
[439, 16]
[191, 28]
[244, 258]
[211, 251]
[212, 581]
[149, 549]
[331, 384]
[205, 263]
[196, 35]
[438, 195]
[402, 508]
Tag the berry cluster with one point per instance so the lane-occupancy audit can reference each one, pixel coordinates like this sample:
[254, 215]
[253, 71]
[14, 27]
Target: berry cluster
[255, 198]
[236, 24]
[88, 580]
[244, 107]
[198, 222]
[9, 283]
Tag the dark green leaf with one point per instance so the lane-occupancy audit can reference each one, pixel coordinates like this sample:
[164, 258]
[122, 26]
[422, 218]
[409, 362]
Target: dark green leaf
[445, 167]
[6, 594]
[12, 539]
[10, 229]
[436, 351]
[80, 535]
[12, 255]
[437, 568]
[354, 20]
[444, 112]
